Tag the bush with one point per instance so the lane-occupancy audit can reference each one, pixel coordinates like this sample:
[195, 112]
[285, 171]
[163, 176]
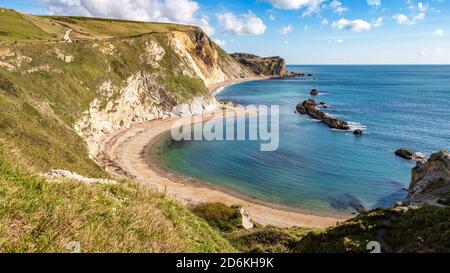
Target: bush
[220, 216]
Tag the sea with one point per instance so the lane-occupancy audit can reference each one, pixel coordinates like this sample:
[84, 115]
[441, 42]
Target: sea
[320, 170]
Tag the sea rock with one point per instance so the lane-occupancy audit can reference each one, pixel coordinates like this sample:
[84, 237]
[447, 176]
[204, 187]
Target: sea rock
[358, 132]
[323, 105]
[310, 108]
[314, 92]
[291, 74]
[430, 181]
[404, 154]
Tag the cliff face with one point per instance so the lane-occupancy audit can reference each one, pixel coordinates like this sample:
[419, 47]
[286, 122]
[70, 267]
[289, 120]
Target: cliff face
[430, 183]
[263, 66]
[57, 93]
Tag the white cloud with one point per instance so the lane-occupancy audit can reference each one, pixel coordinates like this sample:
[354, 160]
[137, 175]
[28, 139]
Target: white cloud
[374, 2]
[245, 24]
[439, 33]
[422, 7]
[220, 42]
[286, 30]
[310, 6]
[338, 7]
[402, 19]
[324, 22]
[175, 11]
[292, 4]
[357, 25]
[378, 22]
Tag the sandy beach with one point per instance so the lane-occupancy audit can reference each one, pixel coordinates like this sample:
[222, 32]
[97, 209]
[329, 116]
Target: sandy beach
[123, 154]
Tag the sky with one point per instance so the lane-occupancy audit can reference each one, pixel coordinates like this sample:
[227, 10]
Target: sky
[301, 31]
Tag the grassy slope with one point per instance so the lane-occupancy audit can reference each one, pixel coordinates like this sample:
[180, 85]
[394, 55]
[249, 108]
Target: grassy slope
[424, 229]
[37, 215]
[22, 28]
[14, 27]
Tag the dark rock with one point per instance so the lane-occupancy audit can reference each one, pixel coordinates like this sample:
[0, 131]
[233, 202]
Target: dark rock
[314, 92]
[323, 105]
[404, 154]
[310, 108]
[358, 132]
[291, 74]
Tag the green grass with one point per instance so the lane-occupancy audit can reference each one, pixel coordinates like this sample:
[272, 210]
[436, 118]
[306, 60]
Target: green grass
[14, 27]
[267, 239]
[37, 215]
[108, 28]
[423, 229]
[220, 216]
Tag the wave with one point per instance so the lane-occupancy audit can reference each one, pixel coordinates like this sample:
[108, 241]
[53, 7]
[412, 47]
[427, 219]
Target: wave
[356, 126]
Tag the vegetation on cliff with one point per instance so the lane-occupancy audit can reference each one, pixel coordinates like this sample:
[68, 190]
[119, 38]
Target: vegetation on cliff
[41, 215]
[419, 229]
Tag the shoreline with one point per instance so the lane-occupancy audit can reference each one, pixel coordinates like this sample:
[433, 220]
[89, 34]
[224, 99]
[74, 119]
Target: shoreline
[133, 153]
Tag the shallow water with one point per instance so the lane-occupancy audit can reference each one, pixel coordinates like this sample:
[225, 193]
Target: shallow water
[318, 169]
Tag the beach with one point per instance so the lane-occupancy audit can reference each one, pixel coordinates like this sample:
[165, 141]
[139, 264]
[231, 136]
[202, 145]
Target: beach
[123, 154]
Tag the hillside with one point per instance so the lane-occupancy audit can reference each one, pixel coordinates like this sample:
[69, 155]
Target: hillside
[41, 215]
[55, 94]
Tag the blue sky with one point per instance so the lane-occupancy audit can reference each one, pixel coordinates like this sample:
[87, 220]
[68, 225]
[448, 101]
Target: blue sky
[302, 31]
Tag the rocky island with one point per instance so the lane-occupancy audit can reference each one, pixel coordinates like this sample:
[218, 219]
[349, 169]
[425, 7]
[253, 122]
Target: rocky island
[309, 107]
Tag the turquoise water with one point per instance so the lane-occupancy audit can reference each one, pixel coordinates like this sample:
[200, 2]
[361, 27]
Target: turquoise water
[318, 169]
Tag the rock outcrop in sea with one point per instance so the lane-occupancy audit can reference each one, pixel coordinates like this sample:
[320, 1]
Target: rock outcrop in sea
[403, 153]
[314, 92]
[309, 107]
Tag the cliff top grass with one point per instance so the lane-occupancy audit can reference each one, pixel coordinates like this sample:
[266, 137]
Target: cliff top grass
[39, 215]
[23, 28]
